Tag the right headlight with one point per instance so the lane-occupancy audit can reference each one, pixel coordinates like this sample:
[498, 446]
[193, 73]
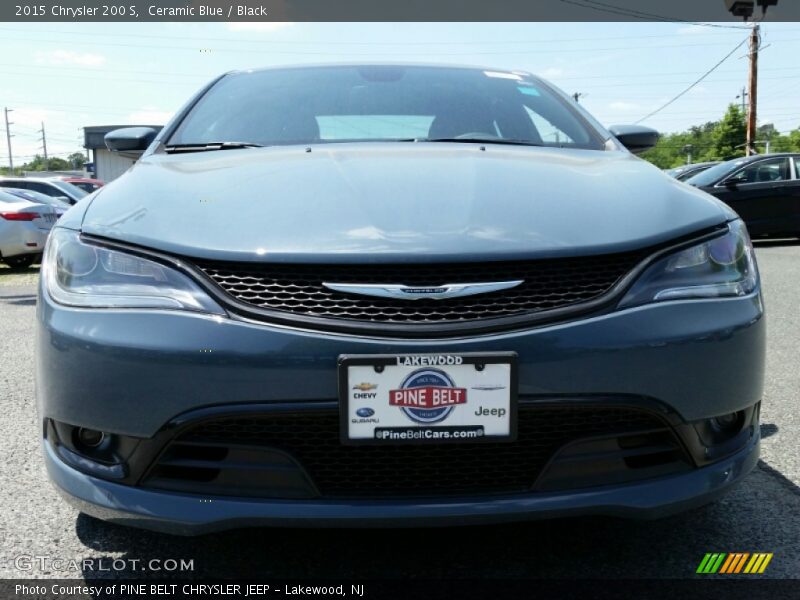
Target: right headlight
[722, 266]
[83, 274]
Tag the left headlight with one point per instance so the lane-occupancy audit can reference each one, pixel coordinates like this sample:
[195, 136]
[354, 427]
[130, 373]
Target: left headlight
[722, 266]
[77, 273]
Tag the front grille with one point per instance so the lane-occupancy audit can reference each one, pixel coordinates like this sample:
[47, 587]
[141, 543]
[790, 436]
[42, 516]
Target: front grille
[297, 289]
[196, 460]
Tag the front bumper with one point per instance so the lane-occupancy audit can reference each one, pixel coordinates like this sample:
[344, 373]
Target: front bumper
[185, 514]
[131, 372]
[24, 238]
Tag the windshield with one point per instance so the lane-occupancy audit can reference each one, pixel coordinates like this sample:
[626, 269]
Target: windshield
[72, 190]
[382, 103]
[39, 198]
[9, 198]
[715, 173]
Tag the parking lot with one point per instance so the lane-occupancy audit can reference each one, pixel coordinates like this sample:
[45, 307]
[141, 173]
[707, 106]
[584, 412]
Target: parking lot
[761, 515]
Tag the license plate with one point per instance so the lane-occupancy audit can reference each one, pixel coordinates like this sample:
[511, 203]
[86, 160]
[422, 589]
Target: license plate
[428, 398]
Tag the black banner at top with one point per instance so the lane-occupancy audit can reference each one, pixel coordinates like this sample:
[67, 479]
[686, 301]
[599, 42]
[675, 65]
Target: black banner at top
[718, 11]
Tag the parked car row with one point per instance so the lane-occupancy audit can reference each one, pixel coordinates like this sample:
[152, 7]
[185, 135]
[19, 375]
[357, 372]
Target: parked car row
[70, 190]
[61, 206]
[24, 226]
[85, 183]
[686, 171]
[763, 189]
[28, 208]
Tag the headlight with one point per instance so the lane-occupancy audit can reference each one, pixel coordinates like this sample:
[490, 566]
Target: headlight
[80, 274]
[723, 266]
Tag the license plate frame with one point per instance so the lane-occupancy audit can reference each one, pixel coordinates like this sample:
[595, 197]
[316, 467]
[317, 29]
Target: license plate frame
[346, 361]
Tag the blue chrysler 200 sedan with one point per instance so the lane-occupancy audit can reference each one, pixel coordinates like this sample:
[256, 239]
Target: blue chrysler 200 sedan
[388, 295]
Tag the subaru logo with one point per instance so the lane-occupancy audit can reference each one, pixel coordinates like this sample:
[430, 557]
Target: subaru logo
[365, 412]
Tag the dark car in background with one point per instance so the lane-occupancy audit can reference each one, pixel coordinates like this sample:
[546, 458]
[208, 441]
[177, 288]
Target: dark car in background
[763, 189]
[686, 171]
[392, 295]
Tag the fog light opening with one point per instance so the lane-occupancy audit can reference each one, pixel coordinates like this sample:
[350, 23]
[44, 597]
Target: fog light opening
[90, 438]
[728, 423]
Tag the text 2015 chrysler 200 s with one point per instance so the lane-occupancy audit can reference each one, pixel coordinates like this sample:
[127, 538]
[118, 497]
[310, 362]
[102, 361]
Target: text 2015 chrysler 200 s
[387, 295]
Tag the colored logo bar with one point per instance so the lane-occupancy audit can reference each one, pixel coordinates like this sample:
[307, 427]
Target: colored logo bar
[734, 562]
[429, 396]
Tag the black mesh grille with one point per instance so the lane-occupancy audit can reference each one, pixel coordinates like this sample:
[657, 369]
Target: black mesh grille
[312, 439]
[298, 289]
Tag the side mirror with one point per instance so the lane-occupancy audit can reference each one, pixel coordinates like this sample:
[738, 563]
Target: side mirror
[635, 137]
[130, 139]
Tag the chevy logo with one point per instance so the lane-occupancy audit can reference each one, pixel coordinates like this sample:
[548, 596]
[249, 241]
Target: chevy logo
[441, 292]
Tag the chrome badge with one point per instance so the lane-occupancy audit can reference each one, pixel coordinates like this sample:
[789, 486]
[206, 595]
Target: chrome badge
[441, 292]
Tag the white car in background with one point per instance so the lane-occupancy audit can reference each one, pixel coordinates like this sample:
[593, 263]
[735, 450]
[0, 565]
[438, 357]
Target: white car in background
[24, 227]
[61, 206]
[45, 185]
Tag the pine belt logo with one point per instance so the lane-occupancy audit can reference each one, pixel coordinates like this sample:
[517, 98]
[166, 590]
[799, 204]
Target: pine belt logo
[734, 563]
[428, 396]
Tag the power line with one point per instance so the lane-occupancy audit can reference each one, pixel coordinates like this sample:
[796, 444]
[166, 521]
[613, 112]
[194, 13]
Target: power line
[706, 74]
[637, 14]
[383, 53]
[657, 79]
[107, 78]
[470, 43]
[95, 70]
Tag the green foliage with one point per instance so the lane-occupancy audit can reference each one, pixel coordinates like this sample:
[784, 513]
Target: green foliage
[78, 159]
[728, 136]
[73, 162]
[717, 140]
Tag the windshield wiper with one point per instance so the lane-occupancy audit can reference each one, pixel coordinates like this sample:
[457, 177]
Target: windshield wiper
[479, 140]
[209, 146]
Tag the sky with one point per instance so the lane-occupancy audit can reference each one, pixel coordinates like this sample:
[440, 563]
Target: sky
[71, 75]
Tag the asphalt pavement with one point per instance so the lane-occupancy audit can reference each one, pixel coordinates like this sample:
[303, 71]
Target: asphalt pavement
[760, 515]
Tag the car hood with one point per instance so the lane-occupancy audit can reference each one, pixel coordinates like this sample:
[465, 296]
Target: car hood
[396, 201]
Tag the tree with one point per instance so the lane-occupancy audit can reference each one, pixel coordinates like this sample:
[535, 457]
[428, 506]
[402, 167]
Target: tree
[37, 164]
[785, 143]
[73, 162]
[766, 131]
[729, 136]
[674, 149]
[77, 160]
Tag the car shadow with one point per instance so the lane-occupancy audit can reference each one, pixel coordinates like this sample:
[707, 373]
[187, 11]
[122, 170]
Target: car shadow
[752, 517]
[21, 300]
[768, 430]
[775, 243]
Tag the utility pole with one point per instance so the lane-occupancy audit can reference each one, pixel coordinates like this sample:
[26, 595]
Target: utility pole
[755, 42]
[44, 147]
[8, 140]
[743, 97]
[688, 149]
